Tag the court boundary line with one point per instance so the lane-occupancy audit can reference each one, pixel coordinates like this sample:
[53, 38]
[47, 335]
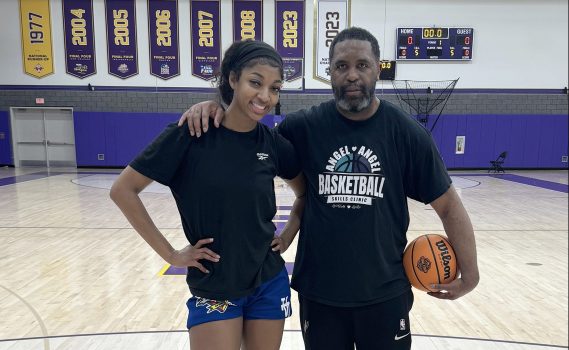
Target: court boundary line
[286, 330]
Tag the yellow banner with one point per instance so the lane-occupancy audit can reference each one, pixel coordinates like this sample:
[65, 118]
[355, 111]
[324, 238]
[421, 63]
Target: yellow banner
[35, 23]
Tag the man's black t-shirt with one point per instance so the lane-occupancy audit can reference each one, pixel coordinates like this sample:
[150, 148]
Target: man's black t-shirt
[223, 187]
[359, 175]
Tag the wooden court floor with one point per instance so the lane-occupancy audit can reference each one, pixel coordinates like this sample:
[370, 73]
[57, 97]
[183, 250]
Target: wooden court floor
[74, 275]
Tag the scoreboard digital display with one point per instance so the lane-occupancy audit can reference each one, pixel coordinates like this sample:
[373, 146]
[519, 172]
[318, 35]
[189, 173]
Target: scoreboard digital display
[434, 44]
[387, 71]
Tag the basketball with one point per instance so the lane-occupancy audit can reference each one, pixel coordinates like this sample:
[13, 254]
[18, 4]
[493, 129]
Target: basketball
[429, 259]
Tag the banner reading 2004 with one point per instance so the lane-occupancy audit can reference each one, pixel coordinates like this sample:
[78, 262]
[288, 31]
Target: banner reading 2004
[121, 38]
[289, 34]
[206, 38]
[333, 16]
[163, 38]
[79, 38]
[35, 23]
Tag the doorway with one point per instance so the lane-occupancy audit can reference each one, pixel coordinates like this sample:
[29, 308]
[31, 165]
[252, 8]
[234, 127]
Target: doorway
[43, 137]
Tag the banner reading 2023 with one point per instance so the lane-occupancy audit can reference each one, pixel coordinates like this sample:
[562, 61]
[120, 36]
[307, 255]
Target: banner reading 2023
[121, 38]
[163, 38]
[79, 38]
[206, 38]
[289, 34]
[37, 53]
[333, 16]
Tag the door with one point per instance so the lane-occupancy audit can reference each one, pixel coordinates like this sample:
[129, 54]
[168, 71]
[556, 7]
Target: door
[43, 137]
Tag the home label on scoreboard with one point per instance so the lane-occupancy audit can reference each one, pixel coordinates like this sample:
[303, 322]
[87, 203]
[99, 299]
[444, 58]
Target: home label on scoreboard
[432, 43]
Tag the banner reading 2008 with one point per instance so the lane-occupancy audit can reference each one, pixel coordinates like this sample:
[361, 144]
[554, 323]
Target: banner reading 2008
[289, 34]
[163, 38]
[333, 16]
[79, 38]
[121, 38]
[247, 20]
[206, 38]
[37, 53]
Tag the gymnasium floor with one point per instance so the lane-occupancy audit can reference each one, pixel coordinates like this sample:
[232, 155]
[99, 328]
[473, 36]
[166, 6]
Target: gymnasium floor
[74, 275]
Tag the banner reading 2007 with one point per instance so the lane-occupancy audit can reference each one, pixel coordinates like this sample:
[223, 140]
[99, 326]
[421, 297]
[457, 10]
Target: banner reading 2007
[121, 38]
[333, 16]
[35, 23]
[79, 38]
[206, 38]
[247, 20]
[163, 38]
[289, 34]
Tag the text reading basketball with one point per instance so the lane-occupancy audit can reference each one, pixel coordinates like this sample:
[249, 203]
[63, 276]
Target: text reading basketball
[352, 176]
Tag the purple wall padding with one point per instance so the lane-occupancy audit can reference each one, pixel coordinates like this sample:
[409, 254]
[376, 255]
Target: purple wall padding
[532, 141]
[119, 136]
[5, 139]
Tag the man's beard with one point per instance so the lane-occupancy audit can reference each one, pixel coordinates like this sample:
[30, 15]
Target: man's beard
[353, 104]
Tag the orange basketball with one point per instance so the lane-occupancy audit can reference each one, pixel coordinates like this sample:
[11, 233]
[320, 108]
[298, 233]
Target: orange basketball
[429, 259]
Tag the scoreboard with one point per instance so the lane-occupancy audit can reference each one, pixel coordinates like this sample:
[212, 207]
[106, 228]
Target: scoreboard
[431, 43]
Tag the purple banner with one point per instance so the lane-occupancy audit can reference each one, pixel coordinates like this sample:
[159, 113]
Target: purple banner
[247, 19]
[79, 38]
[206, 38]
[289, 33]
[121, 38]
[163, 38]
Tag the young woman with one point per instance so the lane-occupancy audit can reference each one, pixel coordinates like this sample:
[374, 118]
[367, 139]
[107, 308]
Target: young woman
[223, 187]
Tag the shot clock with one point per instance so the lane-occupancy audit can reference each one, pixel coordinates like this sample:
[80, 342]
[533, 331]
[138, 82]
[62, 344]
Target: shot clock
[432, 43]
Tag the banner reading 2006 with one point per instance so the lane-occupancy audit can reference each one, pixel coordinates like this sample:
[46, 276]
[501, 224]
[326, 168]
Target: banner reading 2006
[206, 38]
[247, 20]
[289, 34]
[121, 38]
[163, 38]
[37, 53]
[332, 17]
[79, 38]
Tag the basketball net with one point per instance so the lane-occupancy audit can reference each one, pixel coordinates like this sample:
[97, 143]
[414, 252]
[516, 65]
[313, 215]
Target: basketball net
[424, 98]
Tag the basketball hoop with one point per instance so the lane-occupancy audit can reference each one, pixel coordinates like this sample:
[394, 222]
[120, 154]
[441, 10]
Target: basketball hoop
[424, 98]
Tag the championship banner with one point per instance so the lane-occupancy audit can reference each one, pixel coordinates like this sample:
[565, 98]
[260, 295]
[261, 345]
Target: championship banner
[35, 24]
[206, 38]
[289, 34]
[332, 16]
[247, 20]
[121, 38]
[163, 38]
[79, 38]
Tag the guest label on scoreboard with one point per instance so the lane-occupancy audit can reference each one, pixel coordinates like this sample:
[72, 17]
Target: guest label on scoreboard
[434, 43]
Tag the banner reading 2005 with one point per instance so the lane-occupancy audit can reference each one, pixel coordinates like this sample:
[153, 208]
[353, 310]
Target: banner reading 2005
[35, 24]
[289, 34]
[206, 38]
[333, 16]
[121, 38]
[163, 38]
[79, 38]
[247, 20]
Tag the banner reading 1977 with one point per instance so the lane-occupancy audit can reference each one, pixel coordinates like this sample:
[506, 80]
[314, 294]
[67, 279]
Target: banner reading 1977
[37, 54]
[206, 38]
[332, 17]
[289, 34]
[247, 20]
[163, 38]
[121, 38]
[79, 38]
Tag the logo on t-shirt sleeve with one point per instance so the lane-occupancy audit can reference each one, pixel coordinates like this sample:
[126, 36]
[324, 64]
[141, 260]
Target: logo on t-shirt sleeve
[353, 176]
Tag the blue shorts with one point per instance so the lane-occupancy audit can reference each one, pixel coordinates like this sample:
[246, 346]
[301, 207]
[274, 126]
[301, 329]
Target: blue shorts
[269, 301]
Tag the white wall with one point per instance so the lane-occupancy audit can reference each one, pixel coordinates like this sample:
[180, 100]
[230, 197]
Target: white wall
[517, 43]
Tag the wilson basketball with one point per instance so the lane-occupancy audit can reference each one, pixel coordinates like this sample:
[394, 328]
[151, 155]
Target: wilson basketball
[429, 259]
